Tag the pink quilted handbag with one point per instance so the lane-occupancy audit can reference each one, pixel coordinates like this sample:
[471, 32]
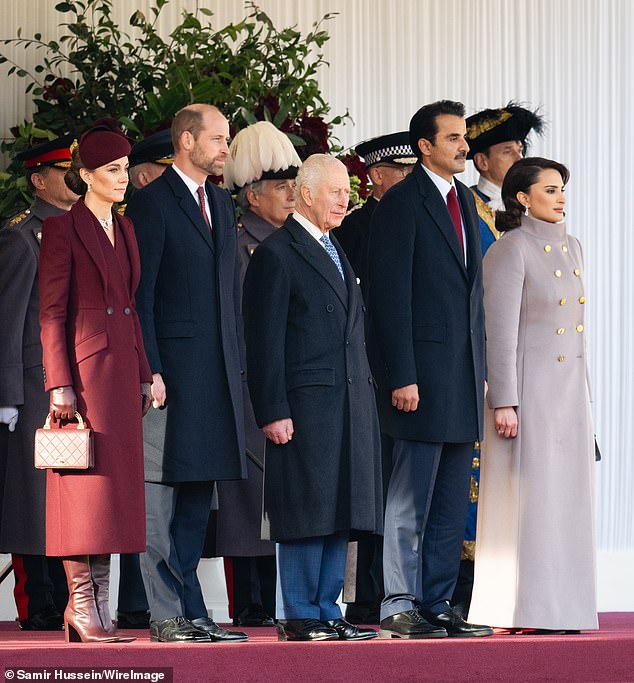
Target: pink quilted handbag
[64, 448]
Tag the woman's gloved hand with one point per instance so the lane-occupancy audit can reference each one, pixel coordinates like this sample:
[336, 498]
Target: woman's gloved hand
[62, 403]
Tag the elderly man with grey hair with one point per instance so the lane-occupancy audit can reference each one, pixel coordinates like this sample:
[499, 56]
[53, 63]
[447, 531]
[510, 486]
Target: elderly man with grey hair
[313, 397]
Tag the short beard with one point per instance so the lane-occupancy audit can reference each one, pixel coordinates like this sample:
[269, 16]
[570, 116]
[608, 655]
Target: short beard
[210, 166]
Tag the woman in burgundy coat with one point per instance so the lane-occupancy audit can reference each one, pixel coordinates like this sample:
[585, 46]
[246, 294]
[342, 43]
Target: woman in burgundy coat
[94, 362]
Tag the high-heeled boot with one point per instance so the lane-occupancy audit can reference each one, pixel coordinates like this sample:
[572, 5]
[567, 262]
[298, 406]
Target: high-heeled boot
[81, 620]
[100, 572]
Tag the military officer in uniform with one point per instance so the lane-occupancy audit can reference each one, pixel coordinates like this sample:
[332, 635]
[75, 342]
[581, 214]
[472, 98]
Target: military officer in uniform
[40, 583]
[497, 139]
[148, 159]
[261, 168]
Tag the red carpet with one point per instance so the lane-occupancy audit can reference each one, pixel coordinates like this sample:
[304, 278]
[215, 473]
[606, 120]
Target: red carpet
[606, 655]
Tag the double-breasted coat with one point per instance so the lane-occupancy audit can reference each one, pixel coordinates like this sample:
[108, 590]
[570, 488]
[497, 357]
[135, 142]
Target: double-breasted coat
[426, 312]
[535, 561]
[307, 361]
[239, 516]
[189, 307]
[91, 340]
[23, 511]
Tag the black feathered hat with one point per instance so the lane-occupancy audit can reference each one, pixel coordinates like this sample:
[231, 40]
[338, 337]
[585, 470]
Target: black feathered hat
[492, 126]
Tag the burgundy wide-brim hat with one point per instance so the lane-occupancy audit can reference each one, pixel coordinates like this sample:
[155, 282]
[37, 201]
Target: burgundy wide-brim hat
[103, 143]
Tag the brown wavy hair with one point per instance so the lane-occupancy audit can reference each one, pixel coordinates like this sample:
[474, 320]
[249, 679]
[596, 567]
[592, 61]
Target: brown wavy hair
[522, 175]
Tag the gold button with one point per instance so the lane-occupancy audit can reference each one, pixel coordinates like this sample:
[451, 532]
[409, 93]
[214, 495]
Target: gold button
[557, 273]
[582, 299]
[577, 272]
[561, 359]
[561, 330]
[579, 328]
[564, 248]
[547, 248]
[562, 301]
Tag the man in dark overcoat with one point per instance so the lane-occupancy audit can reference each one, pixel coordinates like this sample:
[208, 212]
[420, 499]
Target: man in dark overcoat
[313, 396]
[189, 306]
[40, 591]
[428, 348]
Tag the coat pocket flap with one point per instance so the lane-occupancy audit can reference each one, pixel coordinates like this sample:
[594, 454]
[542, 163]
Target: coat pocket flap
[168, 329]
[310, 377]
[431, 333]
[91, 345]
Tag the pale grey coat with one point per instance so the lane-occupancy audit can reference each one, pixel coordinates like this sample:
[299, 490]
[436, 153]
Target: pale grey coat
[535, 550]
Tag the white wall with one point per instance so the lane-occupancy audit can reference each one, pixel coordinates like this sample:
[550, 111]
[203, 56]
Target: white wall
[575, 58]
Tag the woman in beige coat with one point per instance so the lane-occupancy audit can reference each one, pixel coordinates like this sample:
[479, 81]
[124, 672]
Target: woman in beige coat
[535, 553]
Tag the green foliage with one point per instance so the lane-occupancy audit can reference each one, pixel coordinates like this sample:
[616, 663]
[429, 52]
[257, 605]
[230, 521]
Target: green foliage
[251, 70]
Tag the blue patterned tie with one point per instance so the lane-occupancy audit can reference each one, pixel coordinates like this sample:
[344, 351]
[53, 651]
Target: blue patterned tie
[332, 252]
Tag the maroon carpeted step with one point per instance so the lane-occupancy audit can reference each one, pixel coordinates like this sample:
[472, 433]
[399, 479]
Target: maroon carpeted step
[602, 656]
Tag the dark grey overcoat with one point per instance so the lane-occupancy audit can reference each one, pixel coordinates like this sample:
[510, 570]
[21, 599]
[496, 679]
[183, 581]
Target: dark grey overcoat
[307, 361]
[188, 303]
[23, 500]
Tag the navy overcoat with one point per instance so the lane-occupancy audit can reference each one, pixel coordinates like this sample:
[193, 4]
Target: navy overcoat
[426, 312]
[189, 307]
[307, 361]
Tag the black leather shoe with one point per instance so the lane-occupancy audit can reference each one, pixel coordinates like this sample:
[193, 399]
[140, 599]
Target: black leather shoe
[360, 614]
[253, 617]
[138, 620]
[177, 630]
[348, 631]
[49, 619]
[410, 624]
[305, 629]
[455, 625]
[217, 634]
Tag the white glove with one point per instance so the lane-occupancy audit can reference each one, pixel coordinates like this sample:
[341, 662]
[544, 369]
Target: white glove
[9, 416]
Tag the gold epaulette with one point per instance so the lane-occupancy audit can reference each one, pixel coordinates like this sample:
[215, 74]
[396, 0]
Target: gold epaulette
[16, 220]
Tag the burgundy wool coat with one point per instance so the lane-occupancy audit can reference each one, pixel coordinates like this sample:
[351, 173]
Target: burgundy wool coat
[91, 340]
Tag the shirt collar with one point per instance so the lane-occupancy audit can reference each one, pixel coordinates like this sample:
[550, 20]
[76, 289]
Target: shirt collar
[442, 185]
[493, 192]
[311, 229]
[192, 185]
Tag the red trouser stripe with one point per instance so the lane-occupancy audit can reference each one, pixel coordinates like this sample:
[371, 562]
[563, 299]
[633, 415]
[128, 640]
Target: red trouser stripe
[19, 592]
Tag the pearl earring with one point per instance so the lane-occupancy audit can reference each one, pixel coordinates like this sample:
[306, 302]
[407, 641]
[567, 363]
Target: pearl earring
[526, 212]
[90, 188]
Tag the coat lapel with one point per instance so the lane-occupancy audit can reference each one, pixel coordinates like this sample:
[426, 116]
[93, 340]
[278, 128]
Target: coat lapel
[353, 288]
[472, 228]
[83, 222]
[317, 257]
[437, 209]
[188, 205]
[133, 251]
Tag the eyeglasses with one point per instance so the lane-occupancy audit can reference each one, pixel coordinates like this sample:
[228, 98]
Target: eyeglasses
[403, 170]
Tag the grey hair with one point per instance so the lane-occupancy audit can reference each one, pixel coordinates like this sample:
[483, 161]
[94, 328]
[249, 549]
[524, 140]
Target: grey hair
[241, 198]
[313, 171]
